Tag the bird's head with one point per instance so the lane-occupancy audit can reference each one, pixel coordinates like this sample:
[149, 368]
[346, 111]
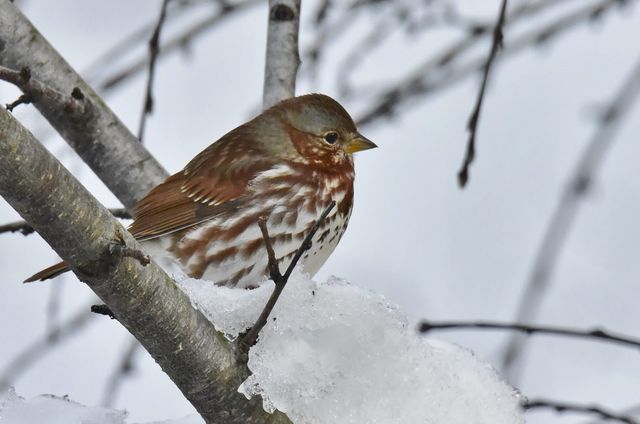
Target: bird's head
[319, 129]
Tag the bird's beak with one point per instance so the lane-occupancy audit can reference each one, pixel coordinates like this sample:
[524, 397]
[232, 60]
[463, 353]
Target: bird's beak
[358, 143]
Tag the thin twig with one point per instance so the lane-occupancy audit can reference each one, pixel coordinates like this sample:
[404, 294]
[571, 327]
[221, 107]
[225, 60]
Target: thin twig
[472, 125]
[24, 99]
[574, 407]
[528, 329]
[248, 339]
[124, 368]
[43, 346]
[154, 49]
[176, 42]
[26, 229]
[436, 74]
[566, 211]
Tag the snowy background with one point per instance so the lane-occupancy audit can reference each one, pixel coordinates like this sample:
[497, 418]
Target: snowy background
[435, 251]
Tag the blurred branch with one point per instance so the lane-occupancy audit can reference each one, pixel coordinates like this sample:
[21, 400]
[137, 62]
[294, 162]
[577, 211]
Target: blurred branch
[122, 370]
[97, 135]
[529, 405]
[528, 329]
[176, 42]
[282, 58]
[154, 49]
[472, 125]
[43, 346]
[565, 212]
[438, 72]
[27, 229]
[198, 359]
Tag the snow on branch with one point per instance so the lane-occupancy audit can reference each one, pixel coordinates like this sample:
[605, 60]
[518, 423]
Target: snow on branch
[282, 58]
[99, 137]
[332, 352]
[146, 301]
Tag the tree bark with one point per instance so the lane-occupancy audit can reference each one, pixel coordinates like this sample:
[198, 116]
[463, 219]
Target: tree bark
[100, 138]
[283, 59]
[144, 299]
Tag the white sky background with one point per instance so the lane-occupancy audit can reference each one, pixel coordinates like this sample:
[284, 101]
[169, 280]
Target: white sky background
[436, 251]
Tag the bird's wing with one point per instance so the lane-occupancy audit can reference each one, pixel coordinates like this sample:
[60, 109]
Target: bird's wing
[215, 181]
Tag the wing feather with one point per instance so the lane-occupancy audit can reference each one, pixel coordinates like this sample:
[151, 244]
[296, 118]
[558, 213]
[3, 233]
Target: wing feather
[214, 182]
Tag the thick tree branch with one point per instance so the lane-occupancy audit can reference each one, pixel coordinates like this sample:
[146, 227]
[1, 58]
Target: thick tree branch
[99, 137]
[145, 300]
[282, 60]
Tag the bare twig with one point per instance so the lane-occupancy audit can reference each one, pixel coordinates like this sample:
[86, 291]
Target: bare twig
[436, 73]
[566, 210]
[280, 280]
[282, 58]
[577, 408]
[472, 125]
[24, 99]
[528, 329]
[124, 368]
[43, 346]
[154, 49]
[26, 229]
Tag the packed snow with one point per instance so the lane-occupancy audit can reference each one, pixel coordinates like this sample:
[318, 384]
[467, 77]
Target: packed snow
[330, 353]
[51, 409]
[336, 353]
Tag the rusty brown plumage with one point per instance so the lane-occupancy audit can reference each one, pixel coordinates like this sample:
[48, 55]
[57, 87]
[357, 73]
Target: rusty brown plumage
[287, 164]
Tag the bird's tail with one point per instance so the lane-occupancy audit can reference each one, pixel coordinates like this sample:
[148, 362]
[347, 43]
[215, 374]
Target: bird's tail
[52, 271]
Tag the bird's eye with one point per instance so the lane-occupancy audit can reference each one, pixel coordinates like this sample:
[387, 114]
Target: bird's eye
[331, 137]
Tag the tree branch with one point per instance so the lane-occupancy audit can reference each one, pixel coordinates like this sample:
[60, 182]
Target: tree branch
[282, 59]
[26, 229]
[472, 125]
[146, 301]
[99, 137]
[174, 43]
[573, 407]
[595, 334]
[154, 49]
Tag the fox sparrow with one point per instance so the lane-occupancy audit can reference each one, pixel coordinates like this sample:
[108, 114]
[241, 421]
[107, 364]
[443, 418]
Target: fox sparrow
[286, 165]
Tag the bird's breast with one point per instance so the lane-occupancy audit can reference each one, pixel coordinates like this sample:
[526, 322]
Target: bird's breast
[229, 249]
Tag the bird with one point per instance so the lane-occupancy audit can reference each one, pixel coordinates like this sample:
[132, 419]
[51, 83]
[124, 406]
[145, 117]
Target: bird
[285, 166]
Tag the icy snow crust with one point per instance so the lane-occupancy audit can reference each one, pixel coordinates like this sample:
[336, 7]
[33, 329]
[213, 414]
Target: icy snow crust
[48, 409]
[335, 353]
[330, 353]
